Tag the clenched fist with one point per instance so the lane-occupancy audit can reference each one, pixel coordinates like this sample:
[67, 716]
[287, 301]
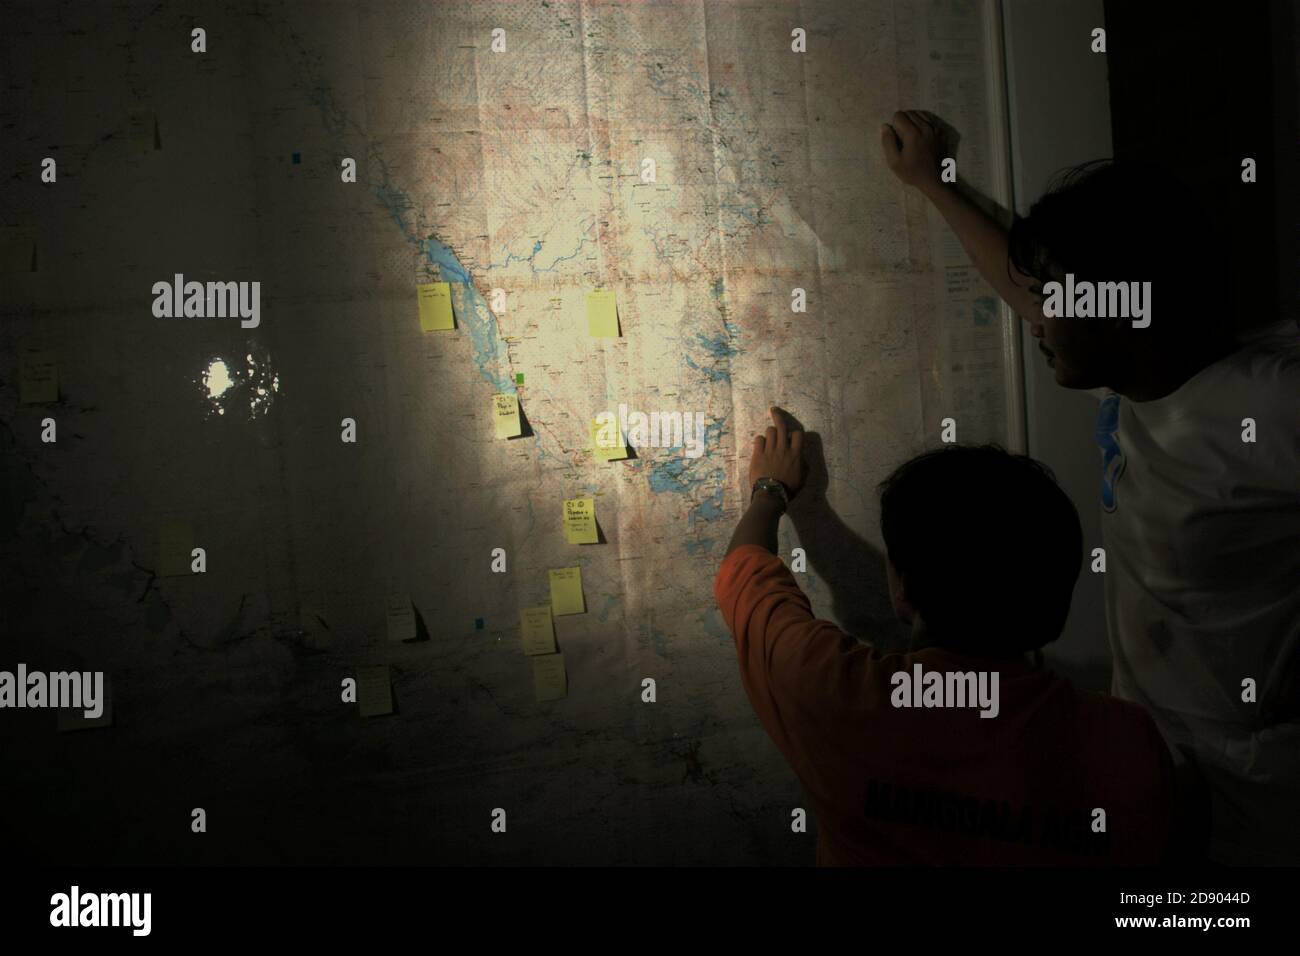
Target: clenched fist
[914, 146]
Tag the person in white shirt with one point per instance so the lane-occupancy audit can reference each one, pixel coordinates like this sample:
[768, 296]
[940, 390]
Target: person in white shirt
[1199, 431]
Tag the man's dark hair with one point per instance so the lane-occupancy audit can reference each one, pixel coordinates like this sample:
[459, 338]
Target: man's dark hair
[988, 544]
[1126, 221]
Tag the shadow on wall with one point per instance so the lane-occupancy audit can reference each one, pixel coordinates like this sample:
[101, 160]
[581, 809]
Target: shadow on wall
[851, 567]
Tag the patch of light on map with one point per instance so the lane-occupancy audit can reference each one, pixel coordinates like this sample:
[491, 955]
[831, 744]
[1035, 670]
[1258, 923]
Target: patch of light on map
[230, 387]
[216, 378]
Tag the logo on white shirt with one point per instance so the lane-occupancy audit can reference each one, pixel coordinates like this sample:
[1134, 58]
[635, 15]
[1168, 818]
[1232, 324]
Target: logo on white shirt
[1112, 456]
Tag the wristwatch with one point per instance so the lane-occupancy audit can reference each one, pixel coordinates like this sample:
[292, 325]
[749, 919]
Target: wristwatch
[773, 487]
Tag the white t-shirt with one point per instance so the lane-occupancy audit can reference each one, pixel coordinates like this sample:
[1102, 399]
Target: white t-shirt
[1202, 537]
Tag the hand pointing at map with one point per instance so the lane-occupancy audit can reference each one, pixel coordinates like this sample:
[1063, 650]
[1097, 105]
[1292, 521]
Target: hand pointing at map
[777, 456]
[778, 453]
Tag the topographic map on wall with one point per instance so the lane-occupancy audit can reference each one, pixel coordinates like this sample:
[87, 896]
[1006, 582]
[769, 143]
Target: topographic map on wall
[520, 170]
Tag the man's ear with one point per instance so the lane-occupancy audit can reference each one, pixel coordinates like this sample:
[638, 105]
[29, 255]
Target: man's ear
[909, 611]
[898, 594]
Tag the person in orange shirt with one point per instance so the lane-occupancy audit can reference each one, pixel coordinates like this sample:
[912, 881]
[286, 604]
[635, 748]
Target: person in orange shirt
[963, 749]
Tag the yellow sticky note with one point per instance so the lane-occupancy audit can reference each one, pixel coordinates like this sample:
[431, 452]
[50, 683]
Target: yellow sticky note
[374, 691]
[580, 521]
[17, 249]
[435, 306]
[602, 315]
[38, 378]
[549, 681]
[400, 616]
[141, 130]
[566, 591]
[175, 549]
[607, 441]
[74, 718]
[505, 415]
[537, 629]
[311, 609]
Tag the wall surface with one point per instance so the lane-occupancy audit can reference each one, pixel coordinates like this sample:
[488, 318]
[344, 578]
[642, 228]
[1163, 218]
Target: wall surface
[327, 559]
[1199, 87]
[1059, 107]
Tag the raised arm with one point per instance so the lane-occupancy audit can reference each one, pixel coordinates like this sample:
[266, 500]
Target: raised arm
[776, 454]
[914, 148]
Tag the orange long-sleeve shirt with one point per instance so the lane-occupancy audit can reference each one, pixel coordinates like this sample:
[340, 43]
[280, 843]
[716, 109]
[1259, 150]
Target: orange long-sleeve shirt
[941, 784]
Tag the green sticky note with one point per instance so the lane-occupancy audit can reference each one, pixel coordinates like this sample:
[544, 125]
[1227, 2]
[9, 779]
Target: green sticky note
[519, 378]
[435, 307]
[602, 315]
